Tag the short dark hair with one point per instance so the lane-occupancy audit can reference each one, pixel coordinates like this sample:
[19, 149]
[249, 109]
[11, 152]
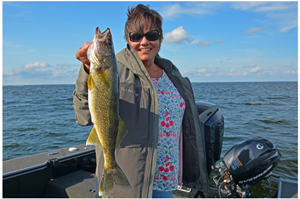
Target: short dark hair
[139, 16]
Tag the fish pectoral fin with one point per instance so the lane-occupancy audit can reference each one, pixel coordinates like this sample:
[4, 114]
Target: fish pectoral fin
[93, 138]
[90, 81]
[113, 177]
[122, 130]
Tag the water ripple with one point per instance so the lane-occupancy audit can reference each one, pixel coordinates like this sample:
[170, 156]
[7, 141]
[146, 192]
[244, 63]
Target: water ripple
[37, 119]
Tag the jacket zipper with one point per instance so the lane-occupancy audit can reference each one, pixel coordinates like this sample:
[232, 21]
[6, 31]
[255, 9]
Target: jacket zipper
[149, 175]
[202, 134]
[153, 136]
[151, 152]
[203, 143]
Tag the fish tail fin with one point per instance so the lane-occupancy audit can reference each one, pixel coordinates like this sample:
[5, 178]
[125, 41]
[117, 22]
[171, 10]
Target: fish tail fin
[93, 138]
[113, 177]
[106, 183]
[120, 178]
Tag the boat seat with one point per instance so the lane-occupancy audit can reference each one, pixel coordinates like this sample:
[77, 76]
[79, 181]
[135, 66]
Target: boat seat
[287, 188]
[74, 185]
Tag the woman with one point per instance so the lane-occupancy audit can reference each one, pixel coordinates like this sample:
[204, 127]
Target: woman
[164, 146]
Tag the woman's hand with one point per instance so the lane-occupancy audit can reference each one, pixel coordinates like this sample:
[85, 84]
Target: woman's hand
[81, 55]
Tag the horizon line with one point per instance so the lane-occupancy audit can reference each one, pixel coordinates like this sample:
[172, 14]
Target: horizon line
[191, 82]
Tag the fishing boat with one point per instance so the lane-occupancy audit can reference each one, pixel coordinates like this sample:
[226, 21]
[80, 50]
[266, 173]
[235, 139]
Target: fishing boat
[69, 172]
[63, 173]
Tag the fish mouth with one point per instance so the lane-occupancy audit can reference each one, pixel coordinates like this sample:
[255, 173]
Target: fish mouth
[101, 52]
[104, 36]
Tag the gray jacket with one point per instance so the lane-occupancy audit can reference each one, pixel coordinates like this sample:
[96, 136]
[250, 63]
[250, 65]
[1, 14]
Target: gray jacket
[138, 108]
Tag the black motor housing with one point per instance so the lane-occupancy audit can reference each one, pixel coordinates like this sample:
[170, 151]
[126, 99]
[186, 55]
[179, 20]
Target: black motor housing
[251, 161]
[212, 124]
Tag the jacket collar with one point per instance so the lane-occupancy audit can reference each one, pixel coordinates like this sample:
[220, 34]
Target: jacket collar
[130, 59]
[165, 64]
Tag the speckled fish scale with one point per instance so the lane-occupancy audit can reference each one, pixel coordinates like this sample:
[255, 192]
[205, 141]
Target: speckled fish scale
[103, 94]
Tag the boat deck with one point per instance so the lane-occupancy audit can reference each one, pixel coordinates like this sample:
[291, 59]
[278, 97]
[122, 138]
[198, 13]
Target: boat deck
[65, 174]
[80, 184]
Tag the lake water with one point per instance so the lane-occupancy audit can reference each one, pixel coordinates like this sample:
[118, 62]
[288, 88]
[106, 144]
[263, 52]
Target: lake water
[41, 118]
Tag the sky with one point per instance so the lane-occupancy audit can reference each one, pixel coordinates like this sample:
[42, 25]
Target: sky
[209, 41]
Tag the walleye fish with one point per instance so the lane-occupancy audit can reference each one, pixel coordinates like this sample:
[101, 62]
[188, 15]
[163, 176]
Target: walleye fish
[103, 99]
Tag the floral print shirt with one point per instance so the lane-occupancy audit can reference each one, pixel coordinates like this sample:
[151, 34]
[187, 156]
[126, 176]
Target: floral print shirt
[171, 109]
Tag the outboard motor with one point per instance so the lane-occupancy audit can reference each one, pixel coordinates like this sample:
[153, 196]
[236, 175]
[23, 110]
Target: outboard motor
[245, 164]
[212, 124]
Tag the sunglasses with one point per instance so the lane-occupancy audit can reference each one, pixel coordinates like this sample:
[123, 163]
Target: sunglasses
[152, 35]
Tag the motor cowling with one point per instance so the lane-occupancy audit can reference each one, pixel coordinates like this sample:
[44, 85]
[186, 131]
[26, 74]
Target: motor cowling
[251, 161]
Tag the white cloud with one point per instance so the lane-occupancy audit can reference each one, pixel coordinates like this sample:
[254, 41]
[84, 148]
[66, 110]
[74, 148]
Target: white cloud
[202, 70]
[204, 43]
[230, 73]
[176, 9]
[178, 35]
[275, 72]
[15, 4]
[260, 6]
[254, 30]
[64, 64]
[287, 28]
[278, 72]
[246, 5]
[220, 42]
[253, 70]
[290, 72]
[234, 73]
[272, 7]
[40, 73]
[282, 14]
[31, 68]
[189, 72]
[63, 74]
[289, 65]
[251, 66]
[263, 73]
[36, 65]
[11, 44]
[286, 21]
[215, 72]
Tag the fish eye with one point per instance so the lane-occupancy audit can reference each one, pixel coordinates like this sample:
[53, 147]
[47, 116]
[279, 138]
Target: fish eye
[109, 41]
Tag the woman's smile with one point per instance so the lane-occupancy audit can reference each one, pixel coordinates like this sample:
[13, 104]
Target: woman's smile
[145, 49]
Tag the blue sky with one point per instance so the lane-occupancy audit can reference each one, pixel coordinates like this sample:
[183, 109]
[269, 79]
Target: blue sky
[208, 41]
